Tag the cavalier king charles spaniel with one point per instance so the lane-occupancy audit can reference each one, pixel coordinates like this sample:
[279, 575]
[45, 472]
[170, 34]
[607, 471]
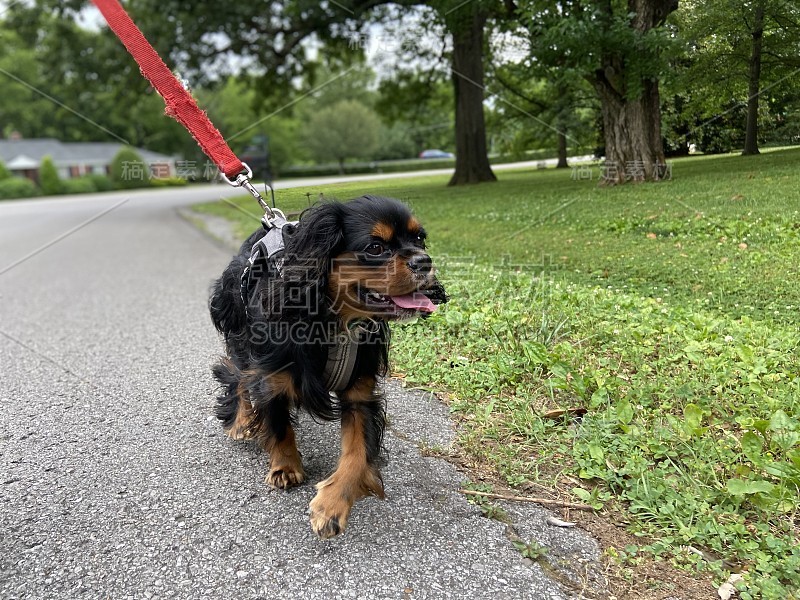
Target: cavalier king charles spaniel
[305, 327]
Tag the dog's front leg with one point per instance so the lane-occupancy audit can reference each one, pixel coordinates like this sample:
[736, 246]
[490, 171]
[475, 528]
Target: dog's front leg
[357, 475]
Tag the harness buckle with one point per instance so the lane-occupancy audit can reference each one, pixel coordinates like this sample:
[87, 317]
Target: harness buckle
[243, 180]
[272, 218]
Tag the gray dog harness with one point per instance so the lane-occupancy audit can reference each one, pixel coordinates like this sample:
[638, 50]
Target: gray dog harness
[268, 252]
[269, 249]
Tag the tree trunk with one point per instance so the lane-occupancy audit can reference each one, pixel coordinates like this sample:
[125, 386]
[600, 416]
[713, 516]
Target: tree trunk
[562, 149]
[341, 166]
[472, 161]
[632, 125]
[751, 130]
[634, 149]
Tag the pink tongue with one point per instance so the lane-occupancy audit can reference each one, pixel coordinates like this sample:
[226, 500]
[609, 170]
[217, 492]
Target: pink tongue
[414, 302]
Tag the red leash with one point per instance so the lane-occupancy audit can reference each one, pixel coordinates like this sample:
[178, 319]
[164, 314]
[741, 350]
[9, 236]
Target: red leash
[180, 104]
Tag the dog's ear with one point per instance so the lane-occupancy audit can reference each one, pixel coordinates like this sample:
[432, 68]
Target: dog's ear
[316, 239]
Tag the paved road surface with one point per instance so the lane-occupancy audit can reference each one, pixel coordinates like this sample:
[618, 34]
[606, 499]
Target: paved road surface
[116, 482]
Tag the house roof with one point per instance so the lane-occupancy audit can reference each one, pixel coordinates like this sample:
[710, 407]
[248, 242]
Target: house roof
[69, 153]
[22, 163]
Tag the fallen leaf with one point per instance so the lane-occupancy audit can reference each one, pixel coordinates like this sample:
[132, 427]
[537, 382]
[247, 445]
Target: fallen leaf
[742, 246]
[651, 236]
[560, 412]
[728, 589]
[551, 520]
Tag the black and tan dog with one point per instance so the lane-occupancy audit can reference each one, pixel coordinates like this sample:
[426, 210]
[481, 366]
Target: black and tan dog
[307, 330]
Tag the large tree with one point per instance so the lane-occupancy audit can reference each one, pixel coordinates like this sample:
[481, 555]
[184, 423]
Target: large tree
[754, 78]
[466, 22]
[458, 58]
[348, 129]
[620, 48]
[738, 50]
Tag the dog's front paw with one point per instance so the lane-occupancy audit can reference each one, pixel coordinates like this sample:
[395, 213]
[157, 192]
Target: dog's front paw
[328, 512]
[285, 476]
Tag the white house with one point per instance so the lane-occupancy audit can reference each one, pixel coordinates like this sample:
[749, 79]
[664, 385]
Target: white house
[23, 157]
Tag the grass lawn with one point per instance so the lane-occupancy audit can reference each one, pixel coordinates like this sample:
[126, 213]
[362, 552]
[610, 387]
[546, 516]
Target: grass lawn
[667, 312]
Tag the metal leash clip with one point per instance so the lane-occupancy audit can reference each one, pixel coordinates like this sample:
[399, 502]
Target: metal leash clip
[271, 215]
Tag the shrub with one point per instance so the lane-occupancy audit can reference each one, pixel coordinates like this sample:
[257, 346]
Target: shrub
[79, 185]
[168, 182]
[128, 170]
[48, 177]
[101, 182]
[4, 172]
[17, 187]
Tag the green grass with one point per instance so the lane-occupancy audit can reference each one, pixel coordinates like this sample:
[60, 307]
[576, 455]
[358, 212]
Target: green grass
[669, 311]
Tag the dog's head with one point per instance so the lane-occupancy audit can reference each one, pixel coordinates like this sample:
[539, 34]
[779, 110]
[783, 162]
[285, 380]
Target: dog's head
[369, 258]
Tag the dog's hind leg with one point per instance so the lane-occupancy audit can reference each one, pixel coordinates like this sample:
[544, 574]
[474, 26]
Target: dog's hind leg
[243, 424]
[233, 405]
[357, 475]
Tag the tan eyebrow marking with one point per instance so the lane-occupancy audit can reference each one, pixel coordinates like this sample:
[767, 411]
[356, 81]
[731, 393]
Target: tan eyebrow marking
[384, 231]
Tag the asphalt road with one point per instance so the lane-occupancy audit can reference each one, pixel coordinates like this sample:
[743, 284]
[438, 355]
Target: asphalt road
[115, 480]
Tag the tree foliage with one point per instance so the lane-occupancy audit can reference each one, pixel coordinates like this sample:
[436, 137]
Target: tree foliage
[233, 107]
[540, 106]
[348, 129]
[422, 104]
[82, 79]
[267, 39]
[712, 75]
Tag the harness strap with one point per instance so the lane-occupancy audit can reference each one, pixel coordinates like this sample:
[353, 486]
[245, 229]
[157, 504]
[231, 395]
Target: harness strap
[180, 104]
[342, 357]
[342, 360]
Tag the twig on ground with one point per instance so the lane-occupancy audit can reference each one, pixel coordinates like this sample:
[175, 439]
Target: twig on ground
[544, 501]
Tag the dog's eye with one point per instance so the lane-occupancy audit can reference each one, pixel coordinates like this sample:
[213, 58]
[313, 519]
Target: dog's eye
[375, 249]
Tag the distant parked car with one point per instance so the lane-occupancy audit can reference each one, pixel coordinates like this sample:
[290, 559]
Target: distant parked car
[436, 154]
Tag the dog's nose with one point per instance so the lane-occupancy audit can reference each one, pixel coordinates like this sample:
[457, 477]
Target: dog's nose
[420, 263]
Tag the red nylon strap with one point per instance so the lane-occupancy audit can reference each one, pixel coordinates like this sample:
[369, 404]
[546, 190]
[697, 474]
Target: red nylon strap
[180, 104]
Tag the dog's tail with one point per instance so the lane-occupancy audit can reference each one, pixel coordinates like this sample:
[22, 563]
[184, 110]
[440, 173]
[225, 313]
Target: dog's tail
[228, 376]
[225, 304]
